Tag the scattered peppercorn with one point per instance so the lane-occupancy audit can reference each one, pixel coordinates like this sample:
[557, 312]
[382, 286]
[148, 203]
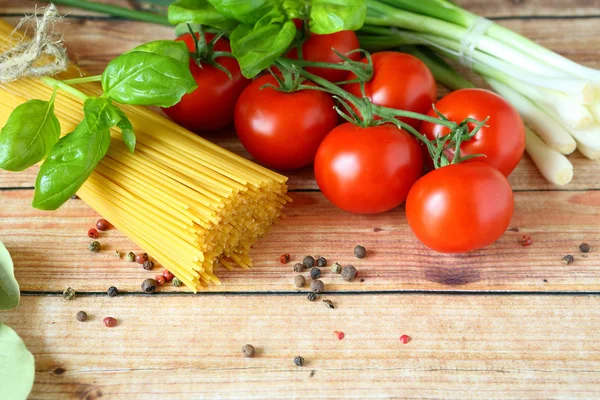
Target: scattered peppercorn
[69, 294]
[112, 291]
[148, 265]
[94, 247]
[93, 233]
[284, 258]
[568, 259]
[298, 267]
[299, 281]
[311, 296]
[159, 279]
[130, 256]
[584, 248]
[149, 285]
[526, 240]
[308, 261]
[329, 303]
[315, 273]
[141, 258]
[299, 361]
[81, 316]
[336, 268]
[109, 322]
[117, 254]
[317, 286]
[102, 225]
[405, 339]
[176, 282]
[322, 262]
[349, 273]
[340, 335]
[168, 275]
[360, 251]
[248, 351]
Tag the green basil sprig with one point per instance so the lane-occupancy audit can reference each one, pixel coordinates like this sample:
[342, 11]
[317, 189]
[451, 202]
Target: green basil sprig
[29, 134]
[199, 12]
[17, 365]
[169, 48]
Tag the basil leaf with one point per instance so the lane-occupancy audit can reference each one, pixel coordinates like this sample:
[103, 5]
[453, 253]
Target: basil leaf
[329, 16]
[257, 47]
[70, 162]
[126, 131]
[169, 48]
[198, 12]
[9, 287]
[17, 366]
[245, 11]
[147, 79]
[100, 113]
[29, 134]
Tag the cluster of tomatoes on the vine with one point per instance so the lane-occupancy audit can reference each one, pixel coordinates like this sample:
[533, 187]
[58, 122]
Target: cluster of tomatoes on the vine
[371, 169]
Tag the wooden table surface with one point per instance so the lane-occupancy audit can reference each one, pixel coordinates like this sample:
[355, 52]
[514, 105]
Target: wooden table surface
[506, 322]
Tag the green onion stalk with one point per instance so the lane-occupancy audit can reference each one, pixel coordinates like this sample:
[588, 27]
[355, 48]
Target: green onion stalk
[557, 98]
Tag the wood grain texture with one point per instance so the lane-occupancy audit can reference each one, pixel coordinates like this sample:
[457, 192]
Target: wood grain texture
[50, 249]
[462, 347]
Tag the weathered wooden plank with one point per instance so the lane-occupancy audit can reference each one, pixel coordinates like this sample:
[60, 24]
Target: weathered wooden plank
[497, 8]
[50, 249]
[492, 347]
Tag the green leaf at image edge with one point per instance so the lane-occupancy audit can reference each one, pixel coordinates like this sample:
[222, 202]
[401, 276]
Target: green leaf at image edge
[9, 287]
[330, 16]
[198, 12]
[17, 366]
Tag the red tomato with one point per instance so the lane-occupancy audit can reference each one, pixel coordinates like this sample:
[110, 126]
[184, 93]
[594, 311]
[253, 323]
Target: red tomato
[367, 170]
[460, 207]
[283, 130]
[210, 107]
[318, 48]
[400, 81]
[502, 140]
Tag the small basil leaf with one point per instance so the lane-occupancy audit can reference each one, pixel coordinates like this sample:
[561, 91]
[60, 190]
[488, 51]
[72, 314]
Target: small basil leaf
[100, 113]
[169, 48]
[257, 47]
[147, 79]
[126, 131]
[9, 287]
[29, 134]
[198, 12]
[17, 366]
[70, 162]
[245, 11]
[329, 16]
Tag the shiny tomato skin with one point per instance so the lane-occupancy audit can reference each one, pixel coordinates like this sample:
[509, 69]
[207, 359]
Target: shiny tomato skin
[502, 140]
[400, 81]
[209, 107]
[367, 170]
[318, 48]
[283, 130]
[460, 208]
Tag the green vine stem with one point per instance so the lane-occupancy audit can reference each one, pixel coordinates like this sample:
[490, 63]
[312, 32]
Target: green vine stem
[56, 84]
[116, 11]
[76, 81]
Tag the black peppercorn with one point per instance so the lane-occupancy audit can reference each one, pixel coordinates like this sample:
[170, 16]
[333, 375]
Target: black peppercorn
[322, 262]
[298, 267]
[299, 281]
[308, 261]
[349, 273]
[315, 273]
[584, 248]
[112, 291]
[299, 361]
[360, 252]
[149, 285]
[81, 316]
[311, 296]
[568, 259]
[317, 286]
[148, 265]
[94, 247]
[248, 351]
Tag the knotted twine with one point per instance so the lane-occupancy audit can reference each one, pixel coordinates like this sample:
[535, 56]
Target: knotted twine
[21, 60]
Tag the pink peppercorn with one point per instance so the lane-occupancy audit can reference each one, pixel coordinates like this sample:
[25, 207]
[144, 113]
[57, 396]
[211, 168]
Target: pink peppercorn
[405, 339]
[109, 322]
[93, 233]
[159, 279]
[102, 225]
[168, 275]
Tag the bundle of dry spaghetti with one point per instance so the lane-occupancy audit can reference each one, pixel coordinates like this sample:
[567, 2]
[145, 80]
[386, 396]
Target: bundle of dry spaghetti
[187, 202]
